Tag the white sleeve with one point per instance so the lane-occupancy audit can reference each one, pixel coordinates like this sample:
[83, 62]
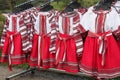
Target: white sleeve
[116, 21]
[88, 21]
[112, 21]
[84, 21]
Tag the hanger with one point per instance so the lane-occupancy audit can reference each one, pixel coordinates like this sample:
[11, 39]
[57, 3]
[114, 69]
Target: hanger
[71, 6]
[74, 4]
[23, 6]
[46, 6]
[68, 9]
[103, 5]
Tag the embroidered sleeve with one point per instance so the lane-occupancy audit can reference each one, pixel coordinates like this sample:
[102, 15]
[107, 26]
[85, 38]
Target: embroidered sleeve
[30, 35]
[79, 42]
[24, 34]
[54, 32]
[77, 30]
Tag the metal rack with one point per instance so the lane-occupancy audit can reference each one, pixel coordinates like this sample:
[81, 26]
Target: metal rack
[21, 73]
[32, 71]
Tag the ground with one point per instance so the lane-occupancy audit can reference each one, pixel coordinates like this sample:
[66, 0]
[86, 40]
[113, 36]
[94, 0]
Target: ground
[39, 75]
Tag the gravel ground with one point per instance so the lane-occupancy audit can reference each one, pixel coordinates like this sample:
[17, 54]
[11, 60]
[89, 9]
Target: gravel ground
[38, 75]
[4, 72]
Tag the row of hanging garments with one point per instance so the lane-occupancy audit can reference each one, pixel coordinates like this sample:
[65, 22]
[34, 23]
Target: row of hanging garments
[57, 40]
[74, 40]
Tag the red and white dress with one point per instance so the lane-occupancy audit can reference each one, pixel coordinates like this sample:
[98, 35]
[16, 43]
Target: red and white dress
[12, 49]
[41, 55]
[101, 53]
[69, 43]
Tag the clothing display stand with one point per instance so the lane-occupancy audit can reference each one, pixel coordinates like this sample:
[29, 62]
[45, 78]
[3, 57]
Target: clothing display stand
[32, 71]
[21, 73]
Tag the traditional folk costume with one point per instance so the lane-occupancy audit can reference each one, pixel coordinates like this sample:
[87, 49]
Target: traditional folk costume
[44, 32]
[69, 43]
[12, 41]
[101, 53]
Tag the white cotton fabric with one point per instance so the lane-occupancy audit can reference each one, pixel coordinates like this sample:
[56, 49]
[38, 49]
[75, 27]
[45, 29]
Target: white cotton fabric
[38, 22]
[10, 26]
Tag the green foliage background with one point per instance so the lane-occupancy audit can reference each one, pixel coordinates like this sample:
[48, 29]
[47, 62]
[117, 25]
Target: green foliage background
[5, 4]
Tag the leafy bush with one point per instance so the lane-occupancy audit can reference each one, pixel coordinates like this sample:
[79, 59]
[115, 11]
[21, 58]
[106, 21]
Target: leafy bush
[58, 4]
[88, 3]
[2, 18]
[4, 4]
[61, 4]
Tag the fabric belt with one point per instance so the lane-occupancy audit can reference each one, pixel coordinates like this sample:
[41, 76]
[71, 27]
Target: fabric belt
[11, 48]
[39, 50]
[62, 39]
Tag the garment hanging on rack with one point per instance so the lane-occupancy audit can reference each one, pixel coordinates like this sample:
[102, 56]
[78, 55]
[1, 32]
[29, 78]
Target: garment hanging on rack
[101, 53]
[28, 11]
[69, 42]
[41, 54]
[12, 50]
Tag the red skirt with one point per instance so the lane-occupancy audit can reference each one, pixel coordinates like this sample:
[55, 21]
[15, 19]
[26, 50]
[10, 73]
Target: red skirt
[13, 42]
[91, 62]
[118, 42]
[40, 55]
[66, 57]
